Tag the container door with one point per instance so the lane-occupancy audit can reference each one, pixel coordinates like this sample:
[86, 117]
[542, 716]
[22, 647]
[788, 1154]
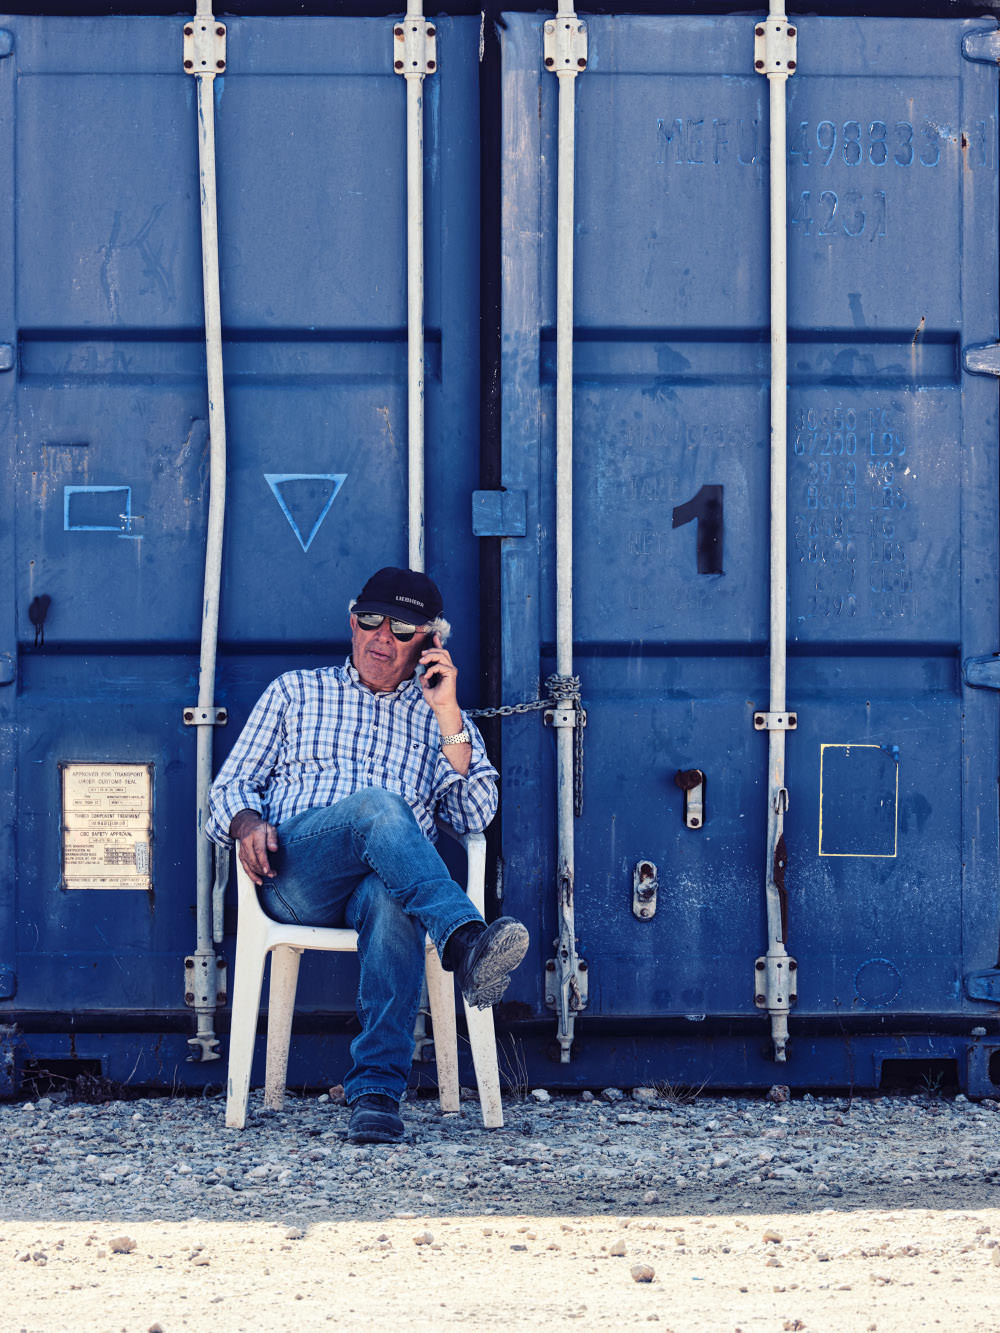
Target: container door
[105, 434]
[892, 219]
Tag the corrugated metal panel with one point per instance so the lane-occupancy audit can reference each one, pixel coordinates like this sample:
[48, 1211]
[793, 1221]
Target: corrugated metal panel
[106, 434]
[892, 825]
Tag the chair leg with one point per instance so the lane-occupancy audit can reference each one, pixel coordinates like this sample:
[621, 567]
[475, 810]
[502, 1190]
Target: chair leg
[479, 1022]
[482, 1039]
[441, 993]
[247, 980]
[281, 1008]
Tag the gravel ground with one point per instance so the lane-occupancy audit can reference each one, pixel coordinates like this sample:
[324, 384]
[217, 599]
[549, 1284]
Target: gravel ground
[725, 1213]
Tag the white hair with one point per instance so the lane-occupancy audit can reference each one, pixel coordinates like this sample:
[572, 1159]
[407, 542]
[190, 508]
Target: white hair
[436, 626]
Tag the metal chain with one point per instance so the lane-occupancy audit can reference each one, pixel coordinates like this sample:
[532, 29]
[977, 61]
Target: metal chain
[563, 690]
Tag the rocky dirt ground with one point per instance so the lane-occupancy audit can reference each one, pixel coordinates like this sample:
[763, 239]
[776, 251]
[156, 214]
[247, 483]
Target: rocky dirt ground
[718, 1214]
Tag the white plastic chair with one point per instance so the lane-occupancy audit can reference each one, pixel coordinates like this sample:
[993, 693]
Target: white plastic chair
[257, 935]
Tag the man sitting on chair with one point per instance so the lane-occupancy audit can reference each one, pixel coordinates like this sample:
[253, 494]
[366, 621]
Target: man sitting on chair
[332, 792]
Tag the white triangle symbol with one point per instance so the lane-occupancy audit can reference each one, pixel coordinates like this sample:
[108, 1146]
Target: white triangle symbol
[305, 499]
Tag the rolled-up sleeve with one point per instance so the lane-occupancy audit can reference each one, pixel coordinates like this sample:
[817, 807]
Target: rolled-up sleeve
[467, 802]
[243, 778]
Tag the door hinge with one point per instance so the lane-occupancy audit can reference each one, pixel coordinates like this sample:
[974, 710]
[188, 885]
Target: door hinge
[983, 359]
[499, 513]
[983, 985]
[983, 671]
[983, 46]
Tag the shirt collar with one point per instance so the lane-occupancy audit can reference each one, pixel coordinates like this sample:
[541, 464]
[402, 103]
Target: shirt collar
[354, 677]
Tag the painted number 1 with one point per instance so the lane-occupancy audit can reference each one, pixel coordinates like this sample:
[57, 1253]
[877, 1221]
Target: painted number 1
[706, 507]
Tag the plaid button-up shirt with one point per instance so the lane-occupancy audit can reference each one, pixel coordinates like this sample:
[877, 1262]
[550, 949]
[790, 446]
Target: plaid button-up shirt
[315, 737]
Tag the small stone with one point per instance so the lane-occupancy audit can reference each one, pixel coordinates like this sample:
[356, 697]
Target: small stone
[771, 1237]
[587, 1096]
[541, 1095]
[773, 1263]
[294, 1233]
[651, 1196]
[323, 1097]
[423, 1238]
[642, 1273]
[613, 1095]
[780, 1092]
[336, 1094]
[645, 1095]
[617, 1249]
[155, 1328]
[468, 1095]
[427, 1198]
[121, 1245]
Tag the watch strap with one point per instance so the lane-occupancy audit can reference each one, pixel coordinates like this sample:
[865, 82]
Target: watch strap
[460, 738]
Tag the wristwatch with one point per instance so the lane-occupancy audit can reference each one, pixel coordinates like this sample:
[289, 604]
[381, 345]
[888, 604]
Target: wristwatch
[460, 738]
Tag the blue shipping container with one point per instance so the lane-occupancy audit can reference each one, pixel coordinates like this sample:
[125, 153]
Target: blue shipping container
[893, 900]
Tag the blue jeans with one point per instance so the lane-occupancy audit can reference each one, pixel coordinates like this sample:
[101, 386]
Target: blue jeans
[365, 863]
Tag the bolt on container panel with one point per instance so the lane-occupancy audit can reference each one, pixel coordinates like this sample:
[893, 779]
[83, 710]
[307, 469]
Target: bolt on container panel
[891, 829]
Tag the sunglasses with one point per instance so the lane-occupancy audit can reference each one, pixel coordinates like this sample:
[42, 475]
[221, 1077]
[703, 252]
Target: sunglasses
[401, 629]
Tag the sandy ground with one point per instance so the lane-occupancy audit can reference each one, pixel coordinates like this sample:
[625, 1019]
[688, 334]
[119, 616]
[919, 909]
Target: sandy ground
[846, 1269]
[865, 1270]
[892, 1251]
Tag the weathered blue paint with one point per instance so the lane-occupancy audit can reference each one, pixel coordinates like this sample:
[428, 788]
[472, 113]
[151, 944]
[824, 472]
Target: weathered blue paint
[892, 188]
[104, 431]
[894, 911]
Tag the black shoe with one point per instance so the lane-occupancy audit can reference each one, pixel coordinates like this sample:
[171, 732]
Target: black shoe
[484, 972]
[375, 1119]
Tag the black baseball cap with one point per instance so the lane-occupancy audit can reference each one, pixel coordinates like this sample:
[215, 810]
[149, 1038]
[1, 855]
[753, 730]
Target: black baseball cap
[404, 594]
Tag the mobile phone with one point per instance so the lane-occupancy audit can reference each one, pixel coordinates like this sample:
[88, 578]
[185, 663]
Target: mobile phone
[432, 681]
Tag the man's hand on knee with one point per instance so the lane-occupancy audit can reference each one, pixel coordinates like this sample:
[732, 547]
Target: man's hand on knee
[256, 838]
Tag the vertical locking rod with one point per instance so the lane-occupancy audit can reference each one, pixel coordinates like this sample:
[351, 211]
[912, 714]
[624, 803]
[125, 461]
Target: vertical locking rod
[775, 57]
[415, 56]
[204, 57]
[565, 54]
